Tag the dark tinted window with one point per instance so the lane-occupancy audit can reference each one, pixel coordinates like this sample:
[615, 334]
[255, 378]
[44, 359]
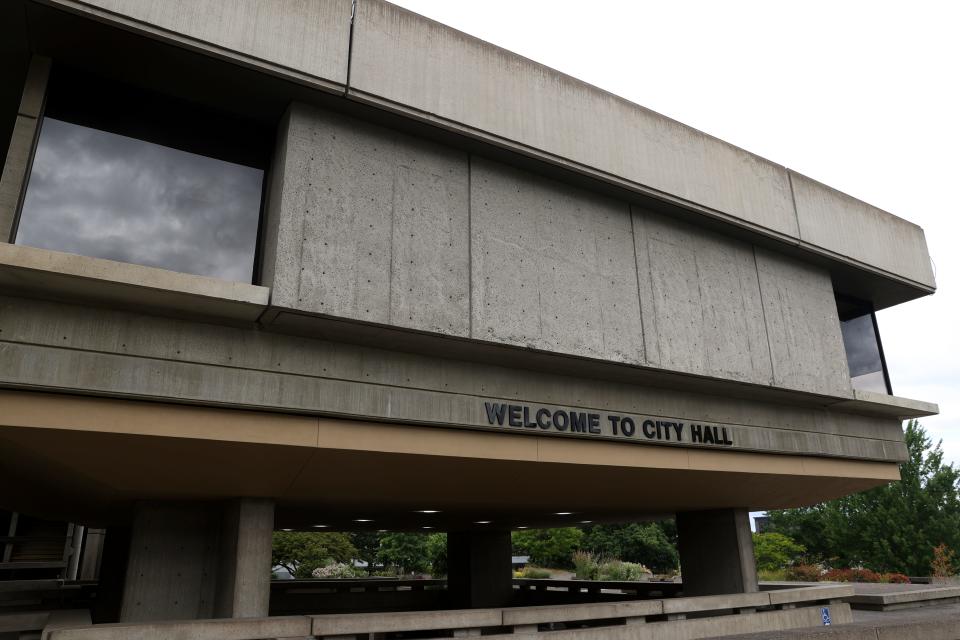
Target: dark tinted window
[864, 351]
[145, 183]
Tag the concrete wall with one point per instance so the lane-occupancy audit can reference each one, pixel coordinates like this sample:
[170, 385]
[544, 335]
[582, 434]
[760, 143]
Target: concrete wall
[373, 225]
[55, 346]
[405, 63]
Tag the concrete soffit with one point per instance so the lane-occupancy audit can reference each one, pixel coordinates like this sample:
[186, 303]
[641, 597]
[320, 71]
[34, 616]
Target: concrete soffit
[378, 54]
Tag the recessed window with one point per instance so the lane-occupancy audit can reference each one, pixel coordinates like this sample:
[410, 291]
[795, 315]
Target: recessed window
[141, 178]
[861, 339]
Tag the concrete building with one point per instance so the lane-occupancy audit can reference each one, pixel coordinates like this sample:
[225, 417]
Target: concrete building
[320, 264]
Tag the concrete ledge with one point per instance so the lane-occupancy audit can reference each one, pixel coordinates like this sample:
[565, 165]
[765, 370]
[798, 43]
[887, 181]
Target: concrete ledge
[65, 276]
[937, 627]
[540, 615]
[881, 404]
[222, 629]
[333, 625]
[806, 594]
[905, 599]
[717, 603]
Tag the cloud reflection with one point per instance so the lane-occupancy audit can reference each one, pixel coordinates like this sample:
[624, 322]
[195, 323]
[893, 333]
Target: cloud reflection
[104, 195]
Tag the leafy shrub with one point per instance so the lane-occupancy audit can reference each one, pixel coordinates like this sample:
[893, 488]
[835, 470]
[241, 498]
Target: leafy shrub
[336, 570]
[851, 575]
[775, 550]
[897, 578]
[615, 570]
[942, 564]
[804, 573]
[652, 544]
[534, 573]
[772, 575]
[585, 565]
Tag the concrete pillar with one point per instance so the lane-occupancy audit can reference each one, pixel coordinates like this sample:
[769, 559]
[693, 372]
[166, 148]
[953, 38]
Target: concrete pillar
[199, 560]
[479, 571]
[243, 581]
[111, 575]
[716, 552]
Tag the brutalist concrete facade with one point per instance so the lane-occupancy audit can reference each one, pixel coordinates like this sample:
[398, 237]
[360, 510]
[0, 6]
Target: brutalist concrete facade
[484, 288]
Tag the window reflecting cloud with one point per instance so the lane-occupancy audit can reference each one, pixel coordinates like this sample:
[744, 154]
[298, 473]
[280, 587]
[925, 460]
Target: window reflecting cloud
[105, 195]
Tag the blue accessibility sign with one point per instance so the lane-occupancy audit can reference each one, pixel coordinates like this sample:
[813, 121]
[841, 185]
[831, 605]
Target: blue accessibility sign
[825, 616]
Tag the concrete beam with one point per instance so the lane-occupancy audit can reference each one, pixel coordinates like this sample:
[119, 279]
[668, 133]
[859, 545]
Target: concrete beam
[16, 167]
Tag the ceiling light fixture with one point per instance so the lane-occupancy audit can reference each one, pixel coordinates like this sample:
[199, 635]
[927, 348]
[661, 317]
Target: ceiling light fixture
[563, 513]
[319, 526]
[426, 511]
[362, 520]
[483, 521]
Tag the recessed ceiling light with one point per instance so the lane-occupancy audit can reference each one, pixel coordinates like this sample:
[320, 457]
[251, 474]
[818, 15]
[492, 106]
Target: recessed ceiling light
[483, 521]
[563, 513]
[426, 511]
[362, 520]
[286, 529]
[382, 530]
[586, 521]
[426, 527]
[319, 526]
[521, 527]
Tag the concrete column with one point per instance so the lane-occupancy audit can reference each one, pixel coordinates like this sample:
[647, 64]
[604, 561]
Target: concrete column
[243, 581]
[716, 552]
[111, 575]
[199, 560]
[479, 572]
[16, 168]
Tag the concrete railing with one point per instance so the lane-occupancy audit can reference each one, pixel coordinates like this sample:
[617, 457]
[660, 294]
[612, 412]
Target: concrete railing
[640, 619]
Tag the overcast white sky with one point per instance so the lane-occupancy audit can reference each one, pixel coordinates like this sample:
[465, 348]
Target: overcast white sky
[862, 95]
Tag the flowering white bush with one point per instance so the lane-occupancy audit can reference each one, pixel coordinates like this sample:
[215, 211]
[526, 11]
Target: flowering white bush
[335, 570]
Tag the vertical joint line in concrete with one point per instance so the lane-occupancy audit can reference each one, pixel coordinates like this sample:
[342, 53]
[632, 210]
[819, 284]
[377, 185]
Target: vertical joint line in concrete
[763, 311]
[469, 246]
[793, 201]
[353, 16]
[636, 273]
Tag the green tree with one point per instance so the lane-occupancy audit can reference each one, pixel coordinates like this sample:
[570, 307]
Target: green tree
[437, 554]
[652, 544]
[367, 544]
[548, 547]
[775, 551]
[301, 552]
[890, 528]
[405, 551]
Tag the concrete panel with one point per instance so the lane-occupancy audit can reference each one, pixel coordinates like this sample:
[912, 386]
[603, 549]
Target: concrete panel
[171, 572]
[373, 225]
[803, 326]
[860, 232]
[429, 68]
[553, 267]
[702, 311]
[309, 37]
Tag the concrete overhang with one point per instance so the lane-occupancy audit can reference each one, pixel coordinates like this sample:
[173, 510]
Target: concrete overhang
[395, 66]
[65, 276]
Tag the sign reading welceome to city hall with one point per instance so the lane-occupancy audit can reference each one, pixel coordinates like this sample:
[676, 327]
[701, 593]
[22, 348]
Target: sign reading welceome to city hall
[543, 419]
